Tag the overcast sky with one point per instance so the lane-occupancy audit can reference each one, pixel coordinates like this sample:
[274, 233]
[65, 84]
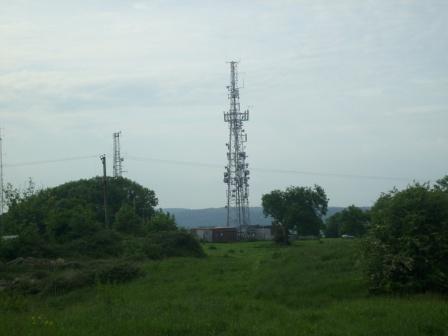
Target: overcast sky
[334, 87]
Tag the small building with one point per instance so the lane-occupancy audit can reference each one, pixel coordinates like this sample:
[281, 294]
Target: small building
[255, 232]
[204, 234]
[216, 234]
[263, 233]
[224, 234]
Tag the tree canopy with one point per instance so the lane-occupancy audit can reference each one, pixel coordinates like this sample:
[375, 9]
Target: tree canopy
[352, 221]
[407, 246]
[76, 209]
[297, 208]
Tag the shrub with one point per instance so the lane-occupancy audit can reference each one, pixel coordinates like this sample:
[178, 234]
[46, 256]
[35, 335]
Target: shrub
[407, 246]
[11, 302]
[69, 280]
[127, 220]
[104, 243]
[172, 244]
[162, 221]
[351, 221]
[118, 273]
[134, 248]
[26, 245]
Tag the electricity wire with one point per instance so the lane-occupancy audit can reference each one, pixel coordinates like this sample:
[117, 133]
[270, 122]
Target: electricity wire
[214, 165]
[32, 163]
[270, 170]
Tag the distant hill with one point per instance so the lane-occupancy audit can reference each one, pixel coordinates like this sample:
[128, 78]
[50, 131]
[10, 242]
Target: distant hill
[189, 218]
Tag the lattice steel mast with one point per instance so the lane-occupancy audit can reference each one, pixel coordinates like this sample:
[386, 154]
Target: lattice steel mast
[117, 160]
[236, 174]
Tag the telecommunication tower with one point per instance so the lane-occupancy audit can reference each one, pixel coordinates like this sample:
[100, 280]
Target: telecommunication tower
[118, 160]
[236, 174]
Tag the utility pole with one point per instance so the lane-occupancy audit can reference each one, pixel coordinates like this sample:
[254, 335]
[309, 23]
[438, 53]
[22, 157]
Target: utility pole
[106, 216]
[236, 174]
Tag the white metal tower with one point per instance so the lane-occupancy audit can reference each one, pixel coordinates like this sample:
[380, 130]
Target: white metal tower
[236, 174]
[117, 160]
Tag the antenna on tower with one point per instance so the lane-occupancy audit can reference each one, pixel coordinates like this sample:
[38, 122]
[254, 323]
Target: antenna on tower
[236, 174]
[117, 160]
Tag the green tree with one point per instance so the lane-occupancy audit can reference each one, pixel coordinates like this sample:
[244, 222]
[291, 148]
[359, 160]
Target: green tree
[127, 220]
[407, 246]
[333, 226]
[162, 221]
[68, 220]
[442, 184]
[350, 221]
[296, 208]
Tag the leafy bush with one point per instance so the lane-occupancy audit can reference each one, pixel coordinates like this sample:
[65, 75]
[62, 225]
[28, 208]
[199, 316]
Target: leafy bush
[352, 221]
[67, 281]
[407, 247]
[104, 243]
[172, 244]
[29, 244]
[162, 222]
[11, 302]
[118, 273]
[127, 220]
[134, 248]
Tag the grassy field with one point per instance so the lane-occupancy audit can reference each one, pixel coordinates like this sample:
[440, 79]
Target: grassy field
[310, 288]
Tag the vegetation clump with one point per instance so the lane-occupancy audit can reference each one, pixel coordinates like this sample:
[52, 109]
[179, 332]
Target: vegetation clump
[407, 247]
[119, 273]
[352, 221]
[298, 209]
[172, 244]
[68, 221]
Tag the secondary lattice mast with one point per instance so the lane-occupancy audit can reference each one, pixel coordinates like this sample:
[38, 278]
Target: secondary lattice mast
[117, 159]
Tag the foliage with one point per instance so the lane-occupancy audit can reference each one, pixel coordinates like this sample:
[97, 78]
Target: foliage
[162, 221]
[68, 281]
[297, 208]
[407, 247]
[119, 273]
[127, 220]
[70, 218]
[350, 221]
[28, 244]
[44, 209]
[103, 243]
[333, 226]
[172, 244]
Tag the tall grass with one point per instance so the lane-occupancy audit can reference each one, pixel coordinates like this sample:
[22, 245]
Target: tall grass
[310, 288]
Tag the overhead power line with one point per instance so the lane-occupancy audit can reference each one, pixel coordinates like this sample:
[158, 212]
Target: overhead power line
[32, 163]
[215, 165]
[270, 170]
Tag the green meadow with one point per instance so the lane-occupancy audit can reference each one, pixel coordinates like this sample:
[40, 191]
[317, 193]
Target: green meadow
[309, 288]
